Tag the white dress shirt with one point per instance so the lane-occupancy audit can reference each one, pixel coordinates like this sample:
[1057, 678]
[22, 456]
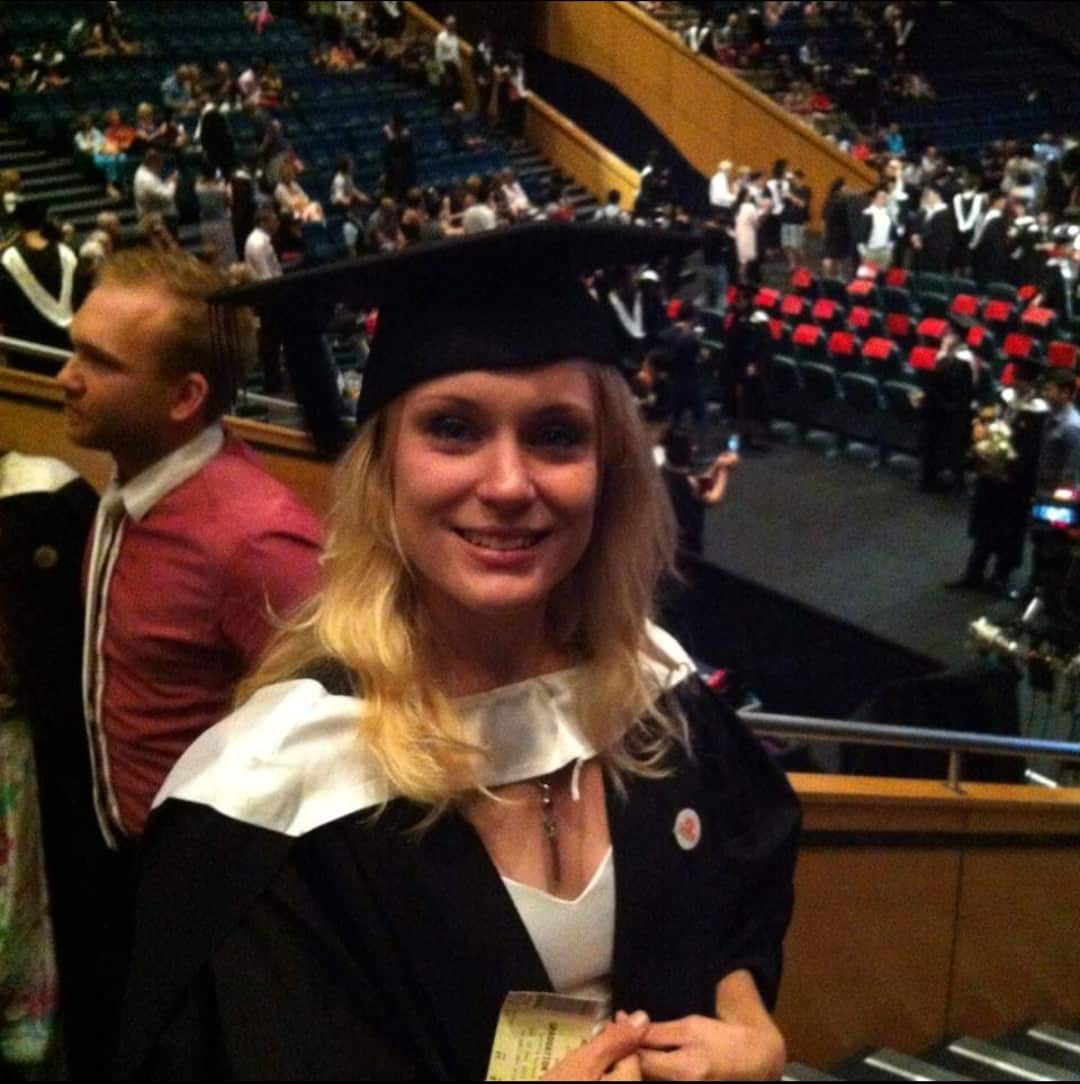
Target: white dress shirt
[260, 256]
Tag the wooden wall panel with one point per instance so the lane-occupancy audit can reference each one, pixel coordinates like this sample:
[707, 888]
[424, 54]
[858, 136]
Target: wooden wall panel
[705, 111]
[868, 956]
[1017, 946]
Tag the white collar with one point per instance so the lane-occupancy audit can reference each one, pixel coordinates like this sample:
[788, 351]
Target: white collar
[292, 758]
[142, 492]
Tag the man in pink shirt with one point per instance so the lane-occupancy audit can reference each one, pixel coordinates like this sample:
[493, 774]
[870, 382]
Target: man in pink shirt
[196, 550]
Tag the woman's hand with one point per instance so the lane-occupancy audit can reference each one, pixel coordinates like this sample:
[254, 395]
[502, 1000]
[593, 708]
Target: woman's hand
[743, 1043]
[611, 1055]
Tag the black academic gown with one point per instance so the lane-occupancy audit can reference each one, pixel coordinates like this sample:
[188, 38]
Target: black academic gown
[364, 950]
[938, 233]
[990, 256]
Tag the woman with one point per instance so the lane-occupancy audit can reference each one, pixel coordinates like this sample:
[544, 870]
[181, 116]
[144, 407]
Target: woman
[748, 220]
[292, 200]
[215, 221]
[106, 157]
[422, 801]
[837, 229]
[399, 158]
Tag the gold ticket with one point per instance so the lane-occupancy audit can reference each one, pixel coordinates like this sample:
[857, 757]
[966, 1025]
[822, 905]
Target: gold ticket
[536, 1031]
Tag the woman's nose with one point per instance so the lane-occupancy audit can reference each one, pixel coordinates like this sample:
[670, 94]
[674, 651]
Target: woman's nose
[507, 477]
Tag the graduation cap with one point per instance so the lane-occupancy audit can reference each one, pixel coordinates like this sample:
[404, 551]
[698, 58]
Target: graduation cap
[498, 300]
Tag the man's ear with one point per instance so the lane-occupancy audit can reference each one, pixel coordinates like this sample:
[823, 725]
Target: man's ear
[189, 398]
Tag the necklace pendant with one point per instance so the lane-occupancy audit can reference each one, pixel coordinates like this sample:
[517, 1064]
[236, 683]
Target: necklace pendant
[551, 832]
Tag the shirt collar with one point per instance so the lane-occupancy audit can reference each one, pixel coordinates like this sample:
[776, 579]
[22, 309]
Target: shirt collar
[142, 492]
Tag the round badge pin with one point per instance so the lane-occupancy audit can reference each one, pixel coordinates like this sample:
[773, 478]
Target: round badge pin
[46, 557]
[687, 829]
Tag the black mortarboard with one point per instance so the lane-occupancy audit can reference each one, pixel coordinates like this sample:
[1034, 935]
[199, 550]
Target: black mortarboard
[502, 299]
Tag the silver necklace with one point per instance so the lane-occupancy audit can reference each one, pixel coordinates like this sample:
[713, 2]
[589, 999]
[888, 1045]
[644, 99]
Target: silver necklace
[551, 829]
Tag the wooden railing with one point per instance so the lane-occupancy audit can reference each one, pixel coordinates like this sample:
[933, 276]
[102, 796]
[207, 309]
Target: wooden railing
[923, 913]
[569, 148]
[706, 112]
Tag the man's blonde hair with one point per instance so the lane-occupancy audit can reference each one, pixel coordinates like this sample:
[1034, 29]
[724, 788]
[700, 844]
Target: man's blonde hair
[215, 341]
[368, 617]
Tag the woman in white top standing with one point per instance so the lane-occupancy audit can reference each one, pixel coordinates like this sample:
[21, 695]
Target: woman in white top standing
[472, 766]
[749, 217]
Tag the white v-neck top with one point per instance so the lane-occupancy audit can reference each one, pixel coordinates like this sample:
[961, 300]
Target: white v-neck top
[575, 939]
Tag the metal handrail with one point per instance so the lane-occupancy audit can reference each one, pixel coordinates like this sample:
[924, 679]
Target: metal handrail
[33, 350]
[954, 742]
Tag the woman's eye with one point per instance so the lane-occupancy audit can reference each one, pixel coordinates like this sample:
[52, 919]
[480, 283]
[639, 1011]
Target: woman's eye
[559, 436]
[450, 429]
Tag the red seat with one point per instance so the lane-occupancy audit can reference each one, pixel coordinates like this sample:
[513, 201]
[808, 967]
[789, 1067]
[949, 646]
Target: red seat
[802, 278]
[1019, 347]
[842, 344]
[808, 335]
[859, 318]
[966, 305]
[896, 276]
[932, 328]
[878, 349]
[898, 325]
[998, 312]
[824, 311]
[776, 329]
[1038, 318]
[1061, 355]
[732, 296]
[861, 288]
[767, 299]
[793, 307]
[1026, 293]
[922, 358]
[674, 308]
[1008, 375]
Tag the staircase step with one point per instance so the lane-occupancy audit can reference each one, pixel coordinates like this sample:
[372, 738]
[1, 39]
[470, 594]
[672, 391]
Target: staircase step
[13, 144]
[84, 223]
[897, 1066]
[39, 169]
[1055, 1036]
[87, 206]
[1009, 1065]
[43, 180]
[795, 1070]
[85, 191]
[21, 159]
[1024, 1043]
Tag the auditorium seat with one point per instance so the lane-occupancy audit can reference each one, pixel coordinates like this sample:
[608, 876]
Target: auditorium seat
[864, 408]
[804, 283]
[959, 285]
[902, 421]
[900, 327]
[999, 316]
[1061, 355]
[1024, 295]
[1041, 322]
[823, 399]
[928, 282]
[934, 304]
[865, 322]
[896, 299]
[785, 389]
[835, 289]
[767, 299]
[808, 343]
[844, 351]
[826, 313]
[863, 292]
[881, 358]
[964, 307]
[922, 359]
[931, 329]
[983, 343]
[1004, 291]
[897, 277]
[1020, 347]
[793, 309]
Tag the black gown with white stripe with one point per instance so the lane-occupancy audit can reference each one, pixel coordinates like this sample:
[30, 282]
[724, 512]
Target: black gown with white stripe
[290, 928]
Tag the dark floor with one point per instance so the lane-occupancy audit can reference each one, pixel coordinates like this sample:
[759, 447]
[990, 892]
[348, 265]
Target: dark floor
[859, 543]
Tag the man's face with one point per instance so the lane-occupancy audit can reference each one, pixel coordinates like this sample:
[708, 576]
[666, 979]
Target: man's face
[117, 396]
[1057, 396]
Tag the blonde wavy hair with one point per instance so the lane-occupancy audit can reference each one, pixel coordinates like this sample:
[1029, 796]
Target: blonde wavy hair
[367, 616]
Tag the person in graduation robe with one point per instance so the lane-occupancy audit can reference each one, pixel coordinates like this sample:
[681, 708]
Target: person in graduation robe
[990, 244]
[474, 766]
[934, 234]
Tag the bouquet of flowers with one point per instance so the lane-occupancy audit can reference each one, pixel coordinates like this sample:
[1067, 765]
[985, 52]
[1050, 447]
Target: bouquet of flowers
[993, 445]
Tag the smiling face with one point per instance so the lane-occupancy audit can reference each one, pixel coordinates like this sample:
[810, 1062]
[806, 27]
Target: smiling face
[495, 479]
